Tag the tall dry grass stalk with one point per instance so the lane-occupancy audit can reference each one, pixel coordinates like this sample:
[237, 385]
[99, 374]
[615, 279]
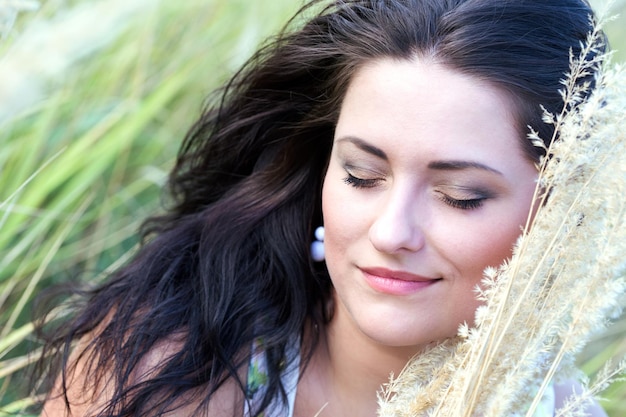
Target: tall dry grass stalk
[564, 282]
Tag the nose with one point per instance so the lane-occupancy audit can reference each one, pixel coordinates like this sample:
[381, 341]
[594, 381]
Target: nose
[397, 227]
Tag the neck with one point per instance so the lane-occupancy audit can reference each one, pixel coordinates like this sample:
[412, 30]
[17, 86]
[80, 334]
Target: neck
[347, 371]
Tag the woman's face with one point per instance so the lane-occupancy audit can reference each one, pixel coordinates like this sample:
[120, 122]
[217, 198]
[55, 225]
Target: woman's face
[427, 185]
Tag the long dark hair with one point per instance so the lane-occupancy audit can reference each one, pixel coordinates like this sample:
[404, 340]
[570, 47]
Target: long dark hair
[229, 263]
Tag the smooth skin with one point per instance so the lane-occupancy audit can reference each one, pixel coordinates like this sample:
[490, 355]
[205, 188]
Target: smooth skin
[426, 177]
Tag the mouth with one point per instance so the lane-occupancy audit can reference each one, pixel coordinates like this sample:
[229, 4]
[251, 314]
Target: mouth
[396, 282]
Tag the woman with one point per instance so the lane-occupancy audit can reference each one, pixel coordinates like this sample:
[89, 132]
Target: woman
[400, 125]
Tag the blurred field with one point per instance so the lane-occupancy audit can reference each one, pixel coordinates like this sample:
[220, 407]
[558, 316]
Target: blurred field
[95, 97]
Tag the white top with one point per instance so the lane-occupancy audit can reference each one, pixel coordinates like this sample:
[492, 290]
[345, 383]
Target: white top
[257, 382]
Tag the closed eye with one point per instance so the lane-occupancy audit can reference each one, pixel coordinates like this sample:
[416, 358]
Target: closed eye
[463, 204]
[361, 182]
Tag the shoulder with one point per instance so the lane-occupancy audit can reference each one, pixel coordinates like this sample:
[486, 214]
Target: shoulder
[564, 390]
[85, 396]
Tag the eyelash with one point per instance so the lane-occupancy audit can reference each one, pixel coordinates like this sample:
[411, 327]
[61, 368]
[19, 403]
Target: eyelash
[469, 204]
[360, 182]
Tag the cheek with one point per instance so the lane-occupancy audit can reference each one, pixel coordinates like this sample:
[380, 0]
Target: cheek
[486, 246]
[334, 215]
[345, 224]
[474, 250]
[497, 247]
[337, 220]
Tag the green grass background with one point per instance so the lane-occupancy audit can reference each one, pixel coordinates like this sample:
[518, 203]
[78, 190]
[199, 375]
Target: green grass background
[90, 121]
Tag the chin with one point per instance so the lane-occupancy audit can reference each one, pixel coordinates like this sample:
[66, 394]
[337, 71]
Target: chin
[407, 339]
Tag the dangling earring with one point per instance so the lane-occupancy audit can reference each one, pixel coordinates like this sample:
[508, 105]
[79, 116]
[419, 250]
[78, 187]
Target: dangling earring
[317, 247]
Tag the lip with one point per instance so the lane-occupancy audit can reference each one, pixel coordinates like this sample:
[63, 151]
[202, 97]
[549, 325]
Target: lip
[388, 281]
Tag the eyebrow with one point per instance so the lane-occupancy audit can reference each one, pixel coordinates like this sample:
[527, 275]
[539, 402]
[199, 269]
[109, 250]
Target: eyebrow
[460, 165]
[364, 146]
[446, 165]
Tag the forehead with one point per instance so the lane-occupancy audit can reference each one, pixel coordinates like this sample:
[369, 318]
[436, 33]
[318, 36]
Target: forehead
[396, 97]
[416, 80]
[423, 109]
